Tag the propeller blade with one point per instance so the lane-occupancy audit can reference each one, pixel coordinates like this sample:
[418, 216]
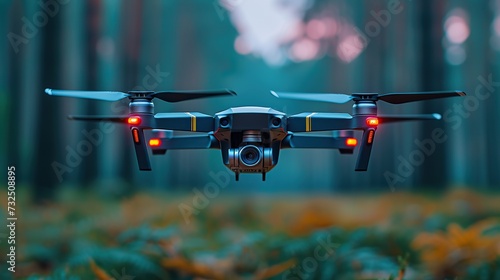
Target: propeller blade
[118, 119]
[176, 96]
[404, 97]
[401, 118]
[323, 97]
[98, 95]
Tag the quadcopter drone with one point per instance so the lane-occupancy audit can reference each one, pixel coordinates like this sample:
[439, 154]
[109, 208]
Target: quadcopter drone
[250, 138]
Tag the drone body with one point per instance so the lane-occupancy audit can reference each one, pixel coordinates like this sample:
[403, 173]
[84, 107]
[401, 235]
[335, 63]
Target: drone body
[250, 138]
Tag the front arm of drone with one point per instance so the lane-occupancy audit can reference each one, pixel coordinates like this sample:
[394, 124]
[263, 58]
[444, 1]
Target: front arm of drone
[163, 140]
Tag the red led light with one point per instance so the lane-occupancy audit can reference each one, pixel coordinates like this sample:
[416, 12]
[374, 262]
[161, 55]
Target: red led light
[154, 142]
[371, 133]
[134, 120]
[351, 142]
[372, 121]
[135, 134]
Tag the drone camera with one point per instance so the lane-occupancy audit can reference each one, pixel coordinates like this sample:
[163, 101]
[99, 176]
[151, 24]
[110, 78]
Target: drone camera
[250, 155]
[250, 159]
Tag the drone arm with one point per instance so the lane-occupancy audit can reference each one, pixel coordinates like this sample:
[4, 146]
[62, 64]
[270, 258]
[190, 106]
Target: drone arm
[189, 121]
[306, 122]
[318, 142]
[207, 141]
[369, 135]
[141, 150]
[365, 149]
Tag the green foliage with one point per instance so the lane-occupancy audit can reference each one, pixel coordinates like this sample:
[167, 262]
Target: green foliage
[70, 241]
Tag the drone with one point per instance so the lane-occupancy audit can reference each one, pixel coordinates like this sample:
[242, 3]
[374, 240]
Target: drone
[250, 138]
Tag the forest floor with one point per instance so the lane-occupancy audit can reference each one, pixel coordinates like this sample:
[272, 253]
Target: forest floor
[452, 235]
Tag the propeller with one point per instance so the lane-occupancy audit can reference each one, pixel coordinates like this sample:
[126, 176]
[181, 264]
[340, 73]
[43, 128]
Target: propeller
[401, 118]
[370, 108]
[177, 96]
[168, 96]
[394, 98]
[99, 95]
[137, 109]
[322, 97]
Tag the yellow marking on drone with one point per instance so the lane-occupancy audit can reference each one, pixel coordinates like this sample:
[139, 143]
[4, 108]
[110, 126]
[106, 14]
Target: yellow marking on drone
[193, 121]
[309, 121]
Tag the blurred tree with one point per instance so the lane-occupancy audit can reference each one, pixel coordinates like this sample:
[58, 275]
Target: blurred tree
[114, 45]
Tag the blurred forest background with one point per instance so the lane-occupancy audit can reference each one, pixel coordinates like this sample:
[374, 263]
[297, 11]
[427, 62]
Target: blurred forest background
[309, 46]
[105, 215]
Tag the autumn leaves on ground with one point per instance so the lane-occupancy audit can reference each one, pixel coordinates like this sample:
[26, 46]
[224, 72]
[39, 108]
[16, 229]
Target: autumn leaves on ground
[455, 235]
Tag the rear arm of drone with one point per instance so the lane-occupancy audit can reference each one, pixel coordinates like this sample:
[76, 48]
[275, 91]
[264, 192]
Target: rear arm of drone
[308, 122]
[188, 121]
[159, 145]
[345, 145]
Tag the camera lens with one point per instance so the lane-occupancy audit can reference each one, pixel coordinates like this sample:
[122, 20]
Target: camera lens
[250, 155]
[276, 122]
[224, 122]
